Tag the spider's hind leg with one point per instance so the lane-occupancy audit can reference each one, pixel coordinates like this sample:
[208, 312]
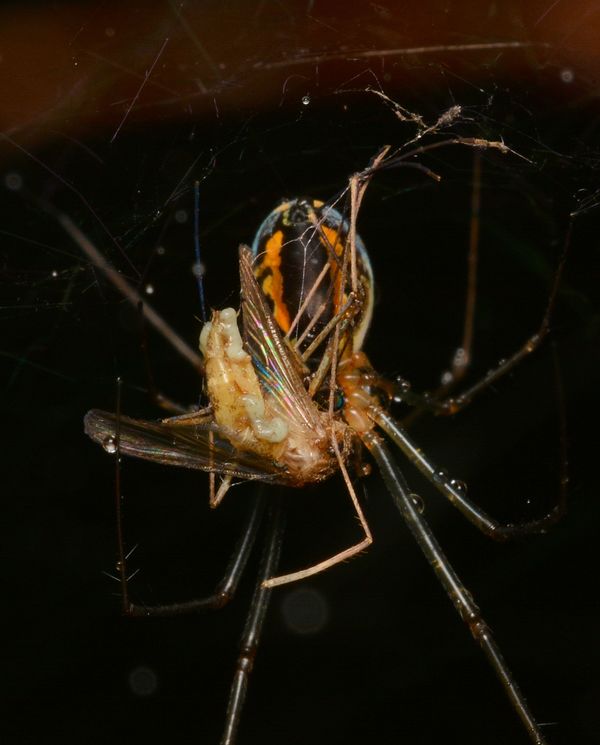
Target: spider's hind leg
[458, 594]
[254, 623]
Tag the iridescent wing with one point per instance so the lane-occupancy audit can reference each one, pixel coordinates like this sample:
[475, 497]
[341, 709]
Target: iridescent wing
[271, 357]
[200, 446]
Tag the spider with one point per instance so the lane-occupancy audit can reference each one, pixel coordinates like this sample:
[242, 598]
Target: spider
[292, 396]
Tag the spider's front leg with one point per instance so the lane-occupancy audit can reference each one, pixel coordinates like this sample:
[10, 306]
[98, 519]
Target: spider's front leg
[372, 393]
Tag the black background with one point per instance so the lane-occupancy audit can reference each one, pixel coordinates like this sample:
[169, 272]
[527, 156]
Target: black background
[392, 660]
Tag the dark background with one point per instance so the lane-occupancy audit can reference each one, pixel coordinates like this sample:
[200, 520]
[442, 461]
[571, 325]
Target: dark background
[261, 101]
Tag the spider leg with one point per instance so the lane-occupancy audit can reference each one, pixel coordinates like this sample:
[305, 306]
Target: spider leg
[455, 490]
[458, 594]
[454, 404]
[462, 356]
[254, 623]
[146, 312]
[226, 588]
[129, 292]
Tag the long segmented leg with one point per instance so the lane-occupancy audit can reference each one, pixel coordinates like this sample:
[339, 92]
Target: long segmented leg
[455, 491]
[145, 310]
[452, 584]
[454, 404]
[227, 586]
[254, 624]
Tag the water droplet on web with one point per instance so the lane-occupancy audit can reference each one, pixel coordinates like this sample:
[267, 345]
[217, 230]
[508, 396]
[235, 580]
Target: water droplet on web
[149, 289]
[198, 269]
[181, 216]
[110, 444]
[54, 273]
[305, 100]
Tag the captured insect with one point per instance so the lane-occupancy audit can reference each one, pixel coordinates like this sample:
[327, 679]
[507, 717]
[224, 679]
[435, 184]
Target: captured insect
[292, 400]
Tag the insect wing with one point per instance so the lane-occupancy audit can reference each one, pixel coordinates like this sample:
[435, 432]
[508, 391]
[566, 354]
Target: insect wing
[271, 357]
[201, 446]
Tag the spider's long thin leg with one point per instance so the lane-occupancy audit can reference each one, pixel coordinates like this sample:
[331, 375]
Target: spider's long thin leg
[129, 292]
[453, 404]
[456, 591]
[254, 624]
[146, 312]
[454, 490]
[227, 587]
[461, 359]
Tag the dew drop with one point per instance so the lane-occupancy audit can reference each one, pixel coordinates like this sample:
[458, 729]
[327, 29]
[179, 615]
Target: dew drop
[447, 377]
[365, 469]
[402, 387]
[460, 358]
[110, 444]
[459, 486]
[441, 476]
[198, 269]
[305, 100]
[161, 250]
[418, 503]
[54, 273]
[149, 289]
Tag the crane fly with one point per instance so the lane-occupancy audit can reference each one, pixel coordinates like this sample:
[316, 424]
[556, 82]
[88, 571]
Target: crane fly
[292, 395]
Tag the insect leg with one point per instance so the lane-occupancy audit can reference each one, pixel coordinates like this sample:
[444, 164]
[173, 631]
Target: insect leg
[458, 594]
[227, 587]
[347, 553]
[251, 635]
